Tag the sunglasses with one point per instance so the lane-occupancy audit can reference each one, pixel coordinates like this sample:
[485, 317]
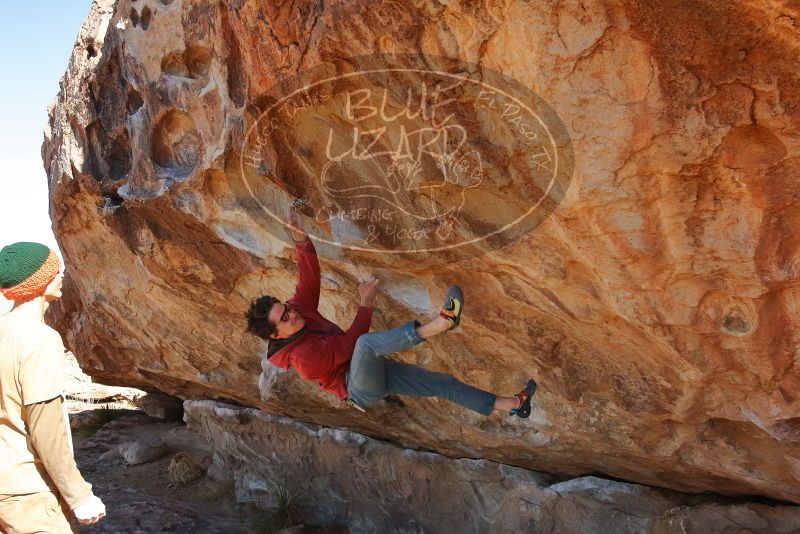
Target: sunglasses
[285, 315]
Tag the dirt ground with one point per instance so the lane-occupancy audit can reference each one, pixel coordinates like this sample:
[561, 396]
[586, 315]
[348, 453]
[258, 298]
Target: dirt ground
[139, 499]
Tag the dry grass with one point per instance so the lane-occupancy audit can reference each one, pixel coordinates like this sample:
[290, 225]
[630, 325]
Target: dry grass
[286, 511]
[182, 470]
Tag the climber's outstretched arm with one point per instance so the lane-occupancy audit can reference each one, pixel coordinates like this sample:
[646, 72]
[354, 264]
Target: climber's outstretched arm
[307, 291]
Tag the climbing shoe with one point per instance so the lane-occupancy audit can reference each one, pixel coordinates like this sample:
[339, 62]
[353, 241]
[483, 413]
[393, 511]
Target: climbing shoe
[453, 305]
[525, 396]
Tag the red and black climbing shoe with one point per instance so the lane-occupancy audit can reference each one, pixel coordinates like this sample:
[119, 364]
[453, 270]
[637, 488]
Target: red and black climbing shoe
[525, 396]
[453, 305]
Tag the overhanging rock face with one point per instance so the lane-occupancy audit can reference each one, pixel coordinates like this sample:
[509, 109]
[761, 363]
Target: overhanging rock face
[652, 291]
[374, 486]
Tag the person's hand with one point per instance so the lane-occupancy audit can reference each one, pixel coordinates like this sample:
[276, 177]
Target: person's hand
[367, 291]
[90, 511]
[295, 222]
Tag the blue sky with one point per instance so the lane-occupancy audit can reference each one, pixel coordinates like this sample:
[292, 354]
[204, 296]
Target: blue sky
[35, 45]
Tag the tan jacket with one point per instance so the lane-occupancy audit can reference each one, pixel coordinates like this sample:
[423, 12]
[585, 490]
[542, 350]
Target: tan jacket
[35, 440]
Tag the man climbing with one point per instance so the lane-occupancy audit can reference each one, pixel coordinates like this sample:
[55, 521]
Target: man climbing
[40, 486]
[352, 364]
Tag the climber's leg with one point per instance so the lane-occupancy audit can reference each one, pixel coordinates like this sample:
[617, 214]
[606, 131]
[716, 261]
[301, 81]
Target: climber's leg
[366, 378]
[371, 377]
[366, 383]
[406, 379]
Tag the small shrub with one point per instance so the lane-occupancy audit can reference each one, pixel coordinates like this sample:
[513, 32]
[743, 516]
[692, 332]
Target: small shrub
[97, 419]
[106, 414]
[182, 470]
[284, 513]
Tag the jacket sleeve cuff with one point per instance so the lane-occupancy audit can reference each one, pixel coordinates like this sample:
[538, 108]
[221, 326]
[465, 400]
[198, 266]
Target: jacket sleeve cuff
[79, 500]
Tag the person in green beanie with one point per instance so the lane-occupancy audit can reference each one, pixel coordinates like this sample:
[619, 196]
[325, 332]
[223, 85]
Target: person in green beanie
[41, 489]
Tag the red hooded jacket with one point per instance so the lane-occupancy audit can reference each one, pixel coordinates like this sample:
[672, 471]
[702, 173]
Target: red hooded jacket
[323, 351]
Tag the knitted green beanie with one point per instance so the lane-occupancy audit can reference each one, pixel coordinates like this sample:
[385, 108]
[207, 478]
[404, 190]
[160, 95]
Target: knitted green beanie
[26, 269]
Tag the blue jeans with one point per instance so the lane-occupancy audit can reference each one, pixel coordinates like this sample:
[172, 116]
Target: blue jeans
[371, 376]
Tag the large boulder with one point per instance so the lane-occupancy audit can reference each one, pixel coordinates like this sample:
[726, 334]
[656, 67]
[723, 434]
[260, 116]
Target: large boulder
[370, 485]
[652, 291]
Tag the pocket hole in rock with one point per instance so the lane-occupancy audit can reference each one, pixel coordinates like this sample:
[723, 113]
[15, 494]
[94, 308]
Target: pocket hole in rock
[109, 156]
[198, 60]
[175, 144]
[145, 18]
[119, 155]
[134, 101]
[193, 62]
[173, 65]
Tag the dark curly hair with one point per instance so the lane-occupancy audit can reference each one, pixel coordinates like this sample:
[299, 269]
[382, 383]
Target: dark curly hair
[257, 322]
